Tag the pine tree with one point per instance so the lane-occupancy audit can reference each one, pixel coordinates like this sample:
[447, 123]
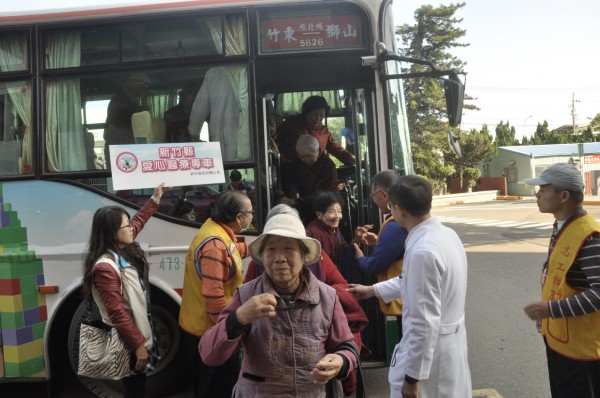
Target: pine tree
[431, 38]
[505, 134]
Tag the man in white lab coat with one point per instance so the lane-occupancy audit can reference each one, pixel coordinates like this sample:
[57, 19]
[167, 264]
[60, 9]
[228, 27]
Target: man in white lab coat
[431, 360]
[223, 100]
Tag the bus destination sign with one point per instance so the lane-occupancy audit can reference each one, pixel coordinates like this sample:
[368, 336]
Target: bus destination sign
[310, 33]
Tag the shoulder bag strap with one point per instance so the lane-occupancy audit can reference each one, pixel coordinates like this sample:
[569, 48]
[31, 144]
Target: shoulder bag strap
[232, 269]
[360, 383]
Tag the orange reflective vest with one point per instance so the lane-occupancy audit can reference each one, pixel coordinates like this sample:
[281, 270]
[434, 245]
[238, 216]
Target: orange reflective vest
[193, 317]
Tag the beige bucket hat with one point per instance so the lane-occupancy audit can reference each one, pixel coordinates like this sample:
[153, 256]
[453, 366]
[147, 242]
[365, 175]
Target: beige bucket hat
[288, 226]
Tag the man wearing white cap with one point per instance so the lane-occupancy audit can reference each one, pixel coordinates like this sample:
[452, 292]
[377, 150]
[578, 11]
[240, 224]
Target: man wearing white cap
[569, 314]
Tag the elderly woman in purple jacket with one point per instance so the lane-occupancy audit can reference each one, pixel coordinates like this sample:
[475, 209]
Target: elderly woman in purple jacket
[294, 332]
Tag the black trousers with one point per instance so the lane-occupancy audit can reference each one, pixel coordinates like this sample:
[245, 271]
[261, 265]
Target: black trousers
[570, 378]
[210, 381]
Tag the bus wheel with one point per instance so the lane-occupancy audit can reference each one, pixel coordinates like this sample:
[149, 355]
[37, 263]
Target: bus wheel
[101, 388]
[171, 373]
[168, 376]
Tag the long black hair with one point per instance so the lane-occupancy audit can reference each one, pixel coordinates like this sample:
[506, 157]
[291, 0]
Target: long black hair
[103, 239]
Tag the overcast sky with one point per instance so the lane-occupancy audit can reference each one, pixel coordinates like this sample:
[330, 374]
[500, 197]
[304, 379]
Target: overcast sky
[526, 59]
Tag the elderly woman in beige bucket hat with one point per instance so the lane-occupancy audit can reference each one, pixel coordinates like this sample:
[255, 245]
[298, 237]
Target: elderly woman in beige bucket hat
[294, 332]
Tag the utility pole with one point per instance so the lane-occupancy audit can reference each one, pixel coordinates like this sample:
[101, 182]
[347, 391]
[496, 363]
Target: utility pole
[573, 113]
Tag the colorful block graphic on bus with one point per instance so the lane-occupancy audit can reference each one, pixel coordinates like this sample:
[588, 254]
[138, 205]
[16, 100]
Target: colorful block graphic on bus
[23, 311]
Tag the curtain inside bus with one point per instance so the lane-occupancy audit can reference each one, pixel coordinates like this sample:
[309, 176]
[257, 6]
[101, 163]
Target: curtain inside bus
[13, 52]
[289, 104]
[14, 57]
[158, 103]
[64, 133]
[15, 143]
[237, 148]
[235, 34]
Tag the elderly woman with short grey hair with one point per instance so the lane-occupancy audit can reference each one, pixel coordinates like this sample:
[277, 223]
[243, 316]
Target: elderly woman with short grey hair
[313, 171]
[292, 327]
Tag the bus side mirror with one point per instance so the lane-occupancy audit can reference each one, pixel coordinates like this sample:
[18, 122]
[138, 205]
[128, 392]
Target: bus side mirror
[454, 91]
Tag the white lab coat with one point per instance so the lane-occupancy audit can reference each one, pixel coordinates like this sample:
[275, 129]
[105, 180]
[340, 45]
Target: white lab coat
[223, 97]
[433, 287]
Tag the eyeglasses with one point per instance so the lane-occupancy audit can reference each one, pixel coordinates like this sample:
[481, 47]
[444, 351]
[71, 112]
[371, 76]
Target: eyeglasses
[125, 226]
[376, 192]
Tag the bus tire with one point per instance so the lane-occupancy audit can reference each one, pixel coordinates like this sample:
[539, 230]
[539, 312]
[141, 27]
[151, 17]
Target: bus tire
[168, 377]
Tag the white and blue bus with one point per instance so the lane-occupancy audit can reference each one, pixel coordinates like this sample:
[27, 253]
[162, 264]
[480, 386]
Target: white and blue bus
[58, 72]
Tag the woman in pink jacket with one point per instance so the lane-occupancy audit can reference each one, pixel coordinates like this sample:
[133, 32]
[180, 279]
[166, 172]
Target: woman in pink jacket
[294, 332]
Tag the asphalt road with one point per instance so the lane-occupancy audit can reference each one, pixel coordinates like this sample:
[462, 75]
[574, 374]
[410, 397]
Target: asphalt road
[506, 244]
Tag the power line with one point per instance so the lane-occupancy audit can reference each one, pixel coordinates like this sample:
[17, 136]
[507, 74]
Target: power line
[534, 90]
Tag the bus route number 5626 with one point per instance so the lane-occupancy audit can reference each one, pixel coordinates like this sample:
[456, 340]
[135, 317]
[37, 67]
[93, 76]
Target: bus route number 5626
[311, 43]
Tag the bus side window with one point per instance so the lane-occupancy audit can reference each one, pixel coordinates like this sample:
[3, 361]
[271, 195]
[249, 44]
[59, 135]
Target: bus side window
[177, 118]
[12, 131]
[125, 120]
[90, 154]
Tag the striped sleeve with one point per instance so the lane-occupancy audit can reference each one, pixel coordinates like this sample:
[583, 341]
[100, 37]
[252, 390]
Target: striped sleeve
[242, 247]
[215, 263]
[585, 276]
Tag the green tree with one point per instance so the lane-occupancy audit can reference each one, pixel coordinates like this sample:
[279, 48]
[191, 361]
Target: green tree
[505, 134]
[431, 38]
[587, 135]
[543, 135]
[472, 174]
[595, 122]
[430, 158]
[475, 146]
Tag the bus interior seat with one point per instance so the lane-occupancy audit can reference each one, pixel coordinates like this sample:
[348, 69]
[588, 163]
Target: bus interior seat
[141, 124]
[158, 130]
